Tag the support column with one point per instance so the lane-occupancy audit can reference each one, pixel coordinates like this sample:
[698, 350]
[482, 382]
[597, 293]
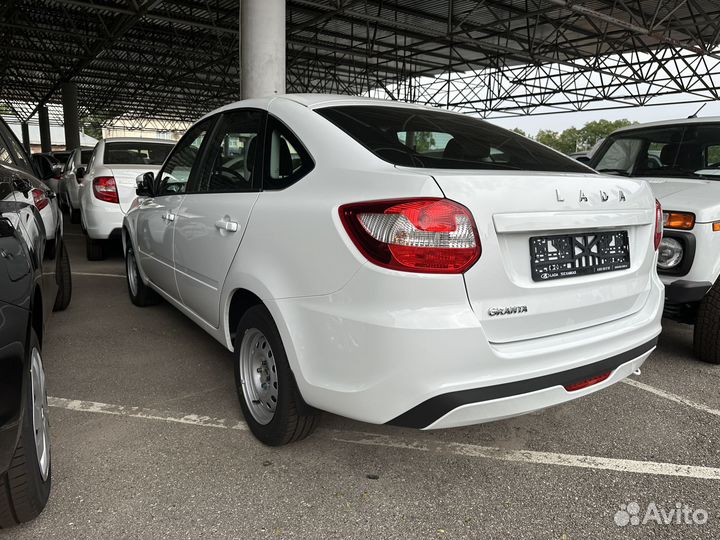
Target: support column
[262, 47]
[44, 118]
[26, 136]
[71, 118]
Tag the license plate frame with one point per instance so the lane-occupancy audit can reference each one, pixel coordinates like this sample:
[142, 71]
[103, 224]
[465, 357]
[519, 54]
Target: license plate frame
[563, 256]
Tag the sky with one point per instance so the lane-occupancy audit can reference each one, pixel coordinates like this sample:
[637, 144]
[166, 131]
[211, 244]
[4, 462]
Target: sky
[559, 122]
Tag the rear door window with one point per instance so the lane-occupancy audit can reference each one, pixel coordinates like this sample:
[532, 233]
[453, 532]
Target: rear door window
[287, 160]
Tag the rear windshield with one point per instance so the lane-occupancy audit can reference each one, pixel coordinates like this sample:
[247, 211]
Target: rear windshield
[435, 139]
[685, 151]
[136, 153]
[85, 156]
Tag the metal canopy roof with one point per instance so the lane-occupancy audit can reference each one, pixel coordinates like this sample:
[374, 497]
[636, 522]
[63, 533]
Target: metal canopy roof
[176, 59]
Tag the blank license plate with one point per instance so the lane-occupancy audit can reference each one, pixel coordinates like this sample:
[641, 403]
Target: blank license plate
[569, 255]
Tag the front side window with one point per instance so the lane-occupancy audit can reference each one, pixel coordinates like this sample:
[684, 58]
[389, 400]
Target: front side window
[176, 172]
[135, 153]
[230, 162]
[668, 151]
[413, 137]
[85, 156]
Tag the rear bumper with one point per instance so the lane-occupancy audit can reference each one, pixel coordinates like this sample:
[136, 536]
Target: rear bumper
[512, 399]
[102, 220]
[412, 352]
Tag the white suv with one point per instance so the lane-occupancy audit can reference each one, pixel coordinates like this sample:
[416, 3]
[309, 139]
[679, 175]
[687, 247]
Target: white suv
[108, 186]
[396, 264]
[681, 161]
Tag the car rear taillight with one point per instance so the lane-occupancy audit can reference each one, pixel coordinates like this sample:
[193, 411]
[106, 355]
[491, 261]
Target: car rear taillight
[105, 189]
[658, 224]
[40, 199]
[587, 382]
[428, 235]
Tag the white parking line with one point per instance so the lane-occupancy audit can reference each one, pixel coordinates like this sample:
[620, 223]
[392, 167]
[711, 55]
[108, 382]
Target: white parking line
[439, 447]
[96, 274]
[672, 397]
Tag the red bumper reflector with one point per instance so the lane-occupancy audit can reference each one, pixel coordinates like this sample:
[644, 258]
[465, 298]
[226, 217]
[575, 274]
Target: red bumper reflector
[587, 382]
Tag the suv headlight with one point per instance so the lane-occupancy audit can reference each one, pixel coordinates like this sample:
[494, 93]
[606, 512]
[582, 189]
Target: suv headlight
[670, 253]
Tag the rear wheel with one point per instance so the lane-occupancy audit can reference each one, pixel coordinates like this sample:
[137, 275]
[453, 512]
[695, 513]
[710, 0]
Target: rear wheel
[64, 281]
[706, 339]
[25, 486]
[140, 294]
[94, 249]
[269, 398]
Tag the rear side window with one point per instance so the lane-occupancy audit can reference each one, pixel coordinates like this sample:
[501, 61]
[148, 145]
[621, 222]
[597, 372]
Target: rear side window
[412, 137]
[85, 156]
[287, 160]
[135, 153]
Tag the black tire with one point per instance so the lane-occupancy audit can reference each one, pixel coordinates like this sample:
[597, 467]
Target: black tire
[64, 280]
[144, 295]
[94, 249]
[293, 419]
[706, 338]
[23, 492]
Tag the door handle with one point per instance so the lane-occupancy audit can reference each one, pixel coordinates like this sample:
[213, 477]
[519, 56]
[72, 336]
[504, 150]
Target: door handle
[168, 217]
[229, 226]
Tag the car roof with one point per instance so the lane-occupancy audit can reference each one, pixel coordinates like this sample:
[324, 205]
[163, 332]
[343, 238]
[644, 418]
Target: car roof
[138, 139]
[669, 123]
[313, 101]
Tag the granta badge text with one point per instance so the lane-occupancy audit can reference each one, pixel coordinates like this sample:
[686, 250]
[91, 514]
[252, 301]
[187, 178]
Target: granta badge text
[511, 310]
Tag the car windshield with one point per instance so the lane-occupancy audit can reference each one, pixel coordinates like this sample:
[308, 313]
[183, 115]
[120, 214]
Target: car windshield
[413, 137]
[682, 151]
[136, 153]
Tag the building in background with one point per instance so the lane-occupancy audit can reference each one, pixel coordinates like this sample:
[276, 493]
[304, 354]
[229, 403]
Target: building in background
[145, 128]
[57, 134]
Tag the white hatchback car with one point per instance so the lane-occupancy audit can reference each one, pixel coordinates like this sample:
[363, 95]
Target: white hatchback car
[108, 186]
[396, 264]
[680, 159]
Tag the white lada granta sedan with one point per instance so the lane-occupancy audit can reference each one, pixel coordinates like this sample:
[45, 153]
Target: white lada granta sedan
[396, 264]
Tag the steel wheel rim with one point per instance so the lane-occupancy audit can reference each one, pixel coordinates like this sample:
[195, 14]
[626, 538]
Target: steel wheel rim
[132, 274]
[41, 431]
[258, 376]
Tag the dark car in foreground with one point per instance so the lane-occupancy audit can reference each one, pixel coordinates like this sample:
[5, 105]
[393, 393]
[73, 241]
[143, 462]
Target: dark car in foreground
[34, 281]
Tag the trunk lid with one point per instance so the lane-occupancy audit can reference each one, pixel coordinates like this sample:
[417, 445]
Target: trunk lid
[509, 209]
[125, 180]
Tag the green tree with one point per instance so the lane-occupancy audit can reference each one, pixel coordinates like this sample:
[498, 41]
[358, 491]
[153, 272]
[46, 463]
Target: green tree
[92, 126]
[519, 131]
[577, 140]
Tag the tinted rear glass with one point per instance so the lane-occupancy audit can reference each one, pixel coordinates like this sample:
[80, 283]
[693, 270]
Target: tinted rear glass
[434, 139]
[685, 151]
[136, 153]
[85, 156]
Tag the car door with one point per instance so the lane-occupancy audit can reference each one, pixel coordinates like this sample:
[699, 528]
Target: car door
[157, 214]
[213, 215]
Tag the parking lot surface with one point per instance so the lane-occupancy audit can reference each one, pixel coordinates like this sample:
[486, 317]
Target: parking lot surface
[148, 441]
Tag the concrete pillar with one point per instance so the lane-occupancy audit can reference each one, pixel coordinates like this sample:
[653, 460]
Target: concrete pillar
[262, 47]
[45, 143]
[26, 136]
[71, 118]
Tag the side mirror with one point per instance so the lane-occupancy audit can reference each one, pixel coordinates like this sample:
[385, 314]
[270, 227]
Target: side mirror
[80, 173]
[144, 183]
[57, 170]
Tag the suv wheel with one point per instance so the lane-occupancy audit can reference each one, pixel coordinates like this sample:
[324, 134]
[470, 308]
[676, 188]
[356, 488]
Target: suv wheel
[25, 487]
[94, 249]
[706, 338]
[64, 280]
[269, 398]
[140, 294]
